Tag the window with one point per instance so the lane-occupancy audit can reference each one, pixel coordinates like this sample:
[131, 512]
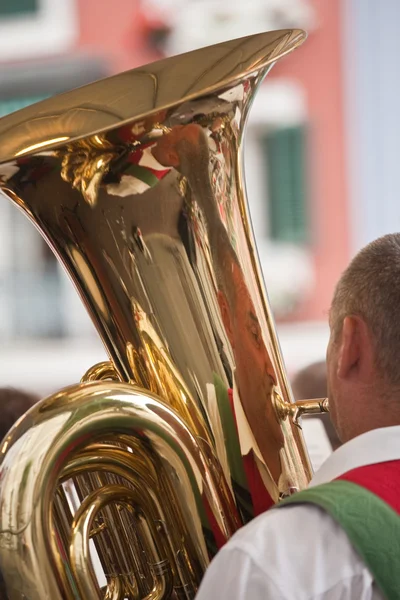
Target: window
[32, 28]
[284, 152]
[36, 297]
[14, 104]
[18, 7]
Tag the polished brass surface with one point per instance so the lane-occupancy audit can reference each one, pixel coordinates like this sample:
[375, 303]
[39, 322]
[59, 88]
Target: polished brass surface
[100, 372]
[136, 182]
[170, 490]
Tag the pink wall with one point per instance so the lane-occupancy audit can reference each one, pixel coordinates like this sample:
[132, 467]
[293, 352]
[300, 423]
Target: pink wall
[113, 30]
[317, 66]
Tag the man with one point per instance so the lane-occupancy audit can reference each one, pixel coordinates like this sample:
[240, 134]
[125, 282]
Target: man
[14, 403]
[301, 551]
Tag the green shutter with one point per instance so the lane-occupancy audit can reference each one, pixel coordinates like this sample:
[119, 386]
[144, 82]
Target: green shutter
[10, 106]
[285, 155]
[11, 8]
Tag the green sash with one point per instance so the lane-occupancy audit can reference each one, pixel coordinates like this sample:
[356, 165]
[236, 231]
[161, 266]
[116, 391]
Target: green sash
[371, 525]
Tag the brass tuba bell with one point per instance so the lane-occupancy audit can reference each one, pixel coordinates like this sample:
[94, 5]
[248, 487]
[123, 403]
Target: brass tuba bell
[126, 484]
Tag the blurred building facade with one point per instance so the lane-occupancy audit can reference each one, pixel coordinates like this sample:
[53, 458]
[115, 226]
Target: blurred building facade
[302, 135]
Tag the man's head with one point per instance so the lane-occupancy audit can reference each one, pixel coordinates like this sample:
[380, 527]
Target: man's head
[364, 347]
[13, 404]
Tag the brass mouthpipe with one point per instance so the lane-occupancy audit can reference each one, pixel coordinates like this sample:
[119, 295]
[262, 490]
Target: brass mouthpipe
[298, 409]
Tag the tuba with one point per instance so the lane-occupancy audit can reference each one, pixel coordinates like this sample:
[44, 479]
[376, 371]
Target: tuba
[126, 484]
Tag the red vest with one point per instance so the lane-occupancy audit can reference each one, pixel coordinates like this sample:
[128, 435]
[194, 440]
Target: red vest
[365, 502]
[382, 479]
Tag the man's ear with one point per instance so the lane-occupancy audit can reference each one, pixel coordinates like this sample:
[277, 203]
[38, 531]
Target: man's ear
[355, 350]
[226, 316]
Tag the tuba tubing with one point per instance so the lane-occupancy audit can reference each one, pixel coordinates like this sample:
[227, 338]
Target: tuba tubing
[127, 484]
[168, 481]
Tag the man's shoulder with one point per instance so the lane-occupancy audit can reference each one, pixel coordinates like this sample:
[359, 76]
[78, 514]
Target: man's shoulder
[282, 527]
[290, 552]
[291, 544]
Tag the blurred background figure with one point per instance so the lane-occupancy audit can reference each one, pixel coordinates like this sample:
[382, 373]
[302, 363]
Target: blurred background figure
[320, 156]
[319, 433]
[13, 404]
[311, 382]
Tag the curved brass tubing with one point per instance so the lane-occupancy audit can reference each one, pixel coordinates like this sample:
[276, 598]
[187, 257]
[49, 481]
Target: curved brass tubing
[146, 453]
[138, 472]
[101, 371]
[79, 547]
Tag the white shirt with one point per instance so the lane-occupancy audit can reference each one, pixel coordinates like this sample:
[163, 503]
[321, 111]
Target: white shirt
[300, 553]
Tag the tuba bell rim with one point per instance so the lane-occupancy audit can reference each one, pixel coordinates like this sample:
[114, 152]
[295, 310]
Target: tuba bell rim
[54, 122]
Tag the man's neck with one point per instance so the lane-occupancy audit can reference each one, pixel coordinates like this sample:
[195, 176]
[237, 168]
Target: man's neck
[382, 420]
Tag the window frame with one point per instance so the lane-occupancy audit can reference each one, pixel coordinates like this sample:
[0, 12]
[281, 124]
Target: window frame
[52, 29]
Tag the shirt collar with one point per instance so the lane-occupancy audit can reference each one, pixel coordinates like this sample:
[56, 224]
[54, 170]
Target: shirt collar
[376, 446]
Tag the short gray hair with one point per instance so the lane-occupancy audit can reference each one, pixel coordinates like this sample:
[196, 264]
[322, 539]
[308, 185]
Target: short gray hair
[370, 288]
